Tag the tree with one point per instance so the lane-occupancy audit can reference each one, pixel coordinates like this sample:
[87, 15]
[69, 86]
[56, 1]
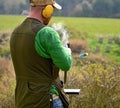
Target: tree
[116, 8]
[82, 9]
[87, 9]
[1, 7]
[103, 8]
[13, 6]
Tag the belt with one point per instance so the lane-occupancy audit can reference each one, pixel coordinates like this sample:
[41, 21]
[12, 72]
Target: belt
[55, 96]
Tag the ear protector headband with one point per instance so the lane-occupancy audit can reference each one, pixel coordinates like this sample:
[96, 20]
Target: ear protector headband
[48, 11]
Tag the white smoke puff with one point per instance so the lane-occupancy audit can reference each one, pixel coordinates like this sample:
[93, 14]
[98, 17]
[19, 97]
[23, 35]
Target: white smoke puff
[62, 32]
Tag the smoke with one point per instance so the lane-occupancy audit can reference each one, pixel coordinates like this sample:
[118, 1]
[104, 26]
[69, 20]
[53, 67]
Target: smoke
[62, 32]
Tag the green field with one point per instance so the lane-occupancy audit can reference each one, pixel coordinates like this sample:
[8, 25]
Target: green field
[92, 26]
[96, 75]
[89, 25]
[90, 29]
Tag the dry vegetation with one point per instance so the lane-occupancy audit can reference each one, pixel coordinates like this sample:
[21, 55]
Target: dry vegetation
[98, 80]
[7, 77]
[7, 83]
[99, 84]
[96, 76]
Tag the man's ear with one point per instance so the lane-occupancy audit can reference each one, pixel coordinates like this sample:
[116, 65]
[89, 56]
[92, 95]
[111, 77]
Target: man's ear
[47, 12]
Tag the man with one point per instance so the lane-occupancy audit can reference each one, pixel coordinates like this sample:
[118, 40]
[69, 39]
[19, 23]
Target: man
[38, 54]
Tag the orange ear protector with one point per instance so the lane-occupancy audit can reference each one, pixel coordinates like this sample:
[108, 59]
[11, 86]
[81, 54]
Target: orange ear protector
[48, 11]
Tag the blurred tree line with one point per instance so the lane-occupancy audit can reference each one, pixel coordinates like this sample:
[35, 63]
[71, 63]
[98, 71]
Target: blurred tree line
[78, 8]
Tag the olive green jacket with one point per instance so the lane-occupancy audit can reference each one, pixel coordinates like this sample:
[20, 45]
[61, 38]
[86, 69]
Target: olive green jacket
[34, 70]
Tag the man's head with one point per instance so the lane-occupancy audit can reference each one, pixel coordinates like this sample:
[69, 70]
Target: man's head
[44, 9]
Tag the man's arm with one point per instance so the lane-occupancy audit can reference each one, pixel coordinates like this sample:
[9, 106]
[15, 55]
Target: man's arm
[48, 45]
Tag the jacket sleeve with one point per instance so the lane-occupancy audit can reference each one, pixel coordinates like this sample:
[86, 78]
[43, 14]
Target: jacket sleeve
[49, 45]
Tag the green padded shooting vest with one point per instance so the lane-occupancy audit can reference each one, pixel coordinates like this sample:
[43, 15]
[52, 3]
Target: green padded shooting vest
[34, 74]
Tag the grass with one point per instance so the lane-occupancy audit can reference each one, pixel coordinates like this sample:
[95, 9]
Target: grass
[111, 50]
[7, 83]
[9, 22]
[99, 84]
[91, 26]
[89, 29]
[97, 78]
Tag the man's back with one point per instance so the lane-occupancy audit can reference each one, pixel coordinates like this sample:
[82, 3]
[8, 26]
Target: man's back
[33, 72]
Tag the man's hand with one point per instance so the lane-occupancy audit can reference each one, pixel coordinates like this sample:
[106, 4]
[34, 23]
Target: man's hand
[69, 50]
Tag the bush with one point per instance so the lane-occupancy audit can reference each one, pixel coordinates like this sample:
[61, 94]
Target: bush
[99, 84]
[78, 45]
[98, 81]
[7, 84]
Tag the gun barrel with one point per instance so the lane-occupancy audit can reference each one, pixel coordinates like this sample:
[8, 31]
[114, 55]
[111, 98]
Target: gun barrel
[65, 77]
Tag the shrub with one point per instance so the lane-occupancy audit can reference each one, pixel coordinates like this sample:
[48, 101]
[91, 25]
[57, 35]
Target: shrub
[99, 84]
[7, 84]
[78, 45]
